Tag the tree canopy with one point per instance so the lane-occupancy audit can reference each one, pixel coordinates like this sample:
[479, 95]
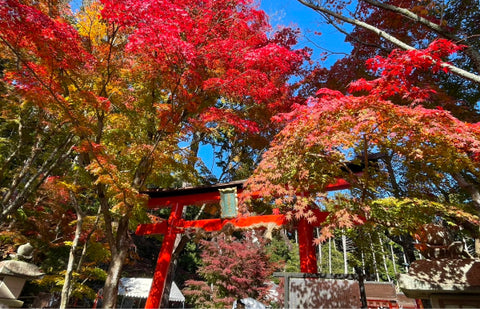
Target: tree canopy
[394, 108]
[117, 97]
[100, 104]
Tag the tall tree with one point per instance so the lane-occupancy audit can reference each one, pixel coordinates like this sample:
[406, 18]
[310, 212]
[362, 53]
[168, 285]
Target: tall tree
[126, 83]
[420, 152]
[376, 28]
[381, 26]
[35, 141]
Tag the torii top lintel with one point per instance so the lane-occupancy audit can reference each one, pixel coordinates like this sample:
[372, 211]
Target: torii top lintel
[208, 194]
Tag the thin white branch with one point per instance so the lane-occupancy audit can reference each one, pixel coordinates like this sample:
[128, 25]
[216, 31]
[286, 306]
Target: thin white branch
[455, 70]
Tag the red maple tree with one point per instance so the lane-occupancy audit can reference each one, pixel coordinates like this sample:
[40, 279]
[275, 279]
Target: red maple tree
[231, 269]
[431, 149]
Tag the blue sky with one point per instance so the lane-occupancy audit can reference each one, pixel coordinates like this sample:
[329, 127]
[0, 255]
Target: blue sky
[291, 13]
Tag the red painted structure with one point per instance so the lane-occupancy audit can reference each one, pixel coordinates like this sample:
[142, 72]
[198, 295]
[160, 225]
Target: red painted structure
[178, 199]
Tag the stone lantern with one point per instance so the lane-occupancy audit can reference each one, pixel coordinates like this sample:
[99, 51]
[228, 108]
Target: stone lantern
[13, 275]
[448, 278]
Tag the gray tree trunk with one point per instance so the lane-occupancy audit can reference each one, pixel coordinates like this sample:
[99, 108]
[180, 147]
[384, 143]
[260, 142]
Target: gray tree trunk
[393, 260]
[110, 289]
[329, 255]
[384, 260]
[67, 286]
[374, 259]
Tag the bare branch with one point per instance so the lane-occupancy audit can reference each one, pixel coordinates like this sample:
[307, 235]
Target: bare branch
[392, 39]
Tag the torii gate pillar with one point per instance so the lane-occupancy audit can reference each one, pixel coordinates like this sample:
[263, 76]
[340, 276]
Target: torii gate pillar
[174, 225]
[308, 257]
[164, 258]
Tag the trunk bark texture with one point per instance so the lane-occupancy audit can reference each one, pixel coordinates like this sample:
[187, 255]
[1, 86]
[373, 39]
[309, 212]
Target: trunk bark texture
[119, 243]
[110, 289]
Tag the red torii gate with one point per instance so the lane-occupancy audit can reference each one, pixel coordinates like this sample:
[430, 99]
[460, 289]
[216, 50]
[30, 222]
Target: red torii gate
[179, 198]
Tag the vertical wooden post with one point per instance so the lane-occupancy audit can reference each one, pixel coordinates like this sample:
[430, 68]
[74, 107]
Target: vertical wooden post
[308, 258]
[286, 292]
[164, 258]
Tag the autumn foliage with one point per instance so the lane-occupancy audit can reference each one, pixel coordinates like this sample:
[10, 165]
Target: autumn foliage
[104, 102]
[419, 152]
[231, 269]
[121, 95]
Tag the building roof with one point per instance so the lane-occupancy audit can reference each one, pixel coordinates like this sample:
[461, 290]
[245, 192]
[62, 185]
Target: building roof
[386, 291]
[140, 287]
[404, 301]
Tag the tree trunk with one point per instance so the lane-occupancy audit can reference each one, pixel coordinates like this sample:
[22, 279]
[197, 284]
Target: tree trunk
[361, 283]
[119, 245]
[393, 260]
[87, 239]
[320, 256]
[110, 289]
[67, 286]
[164, 303]
[384, 259]
[406, 242]
[374, 259]
[471, 188]
[330, 255]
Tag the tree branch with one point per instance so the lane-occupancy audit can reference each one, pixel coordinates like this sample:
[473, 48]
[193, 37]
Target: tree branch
[54, 159]
[348, 35]
[392, 39]
[470, 188]
[469, 51]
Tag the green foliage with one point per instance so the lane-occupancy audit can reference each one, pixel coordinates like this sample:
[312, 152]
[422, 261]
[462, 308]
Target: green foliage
[81, 291]
[372, 250]
[283, 252]
[416, 212]
[332, 258]
[55, 260]
[51, 283]
[97, 252]
[94, 273]
[188, 262]
[95, 110]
